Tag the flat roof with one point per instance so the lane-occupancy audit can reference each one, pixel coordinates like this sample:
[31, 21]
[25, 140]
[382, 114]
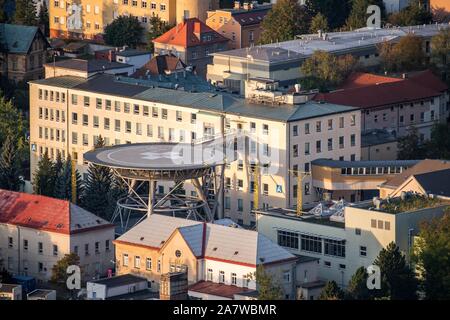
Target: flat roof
[217, 102]
[118, 281]
[132, 53]
[154, 156]
[39, 293]
[8, 288]
[87, 65]
[376, 137]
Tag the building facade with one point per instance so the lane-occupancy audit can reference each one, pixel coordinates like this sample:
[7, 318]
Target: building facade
[241, 24]
[86, 19]
[37, 231]
[23, 52]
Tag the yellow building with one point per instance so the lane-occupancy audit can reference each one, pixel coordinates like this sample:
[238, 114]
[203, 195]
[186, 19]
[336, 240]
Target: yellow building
[86, 19]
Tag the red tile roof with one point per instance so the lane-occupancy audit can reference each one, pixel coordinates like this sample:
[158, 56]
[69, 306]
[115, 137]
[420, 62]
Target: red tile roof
[188, 34]
[217, 289]
[412, 88]
[45, 213]
[360, 79]
[160, 65]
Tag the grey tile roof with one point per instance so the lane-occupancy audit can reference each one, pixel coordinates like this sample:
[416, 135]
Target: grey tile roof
[119, 281]
[208, 101]
[436, 182]
[88, 65]
[363, 164]
[17, 38]
[132, 53]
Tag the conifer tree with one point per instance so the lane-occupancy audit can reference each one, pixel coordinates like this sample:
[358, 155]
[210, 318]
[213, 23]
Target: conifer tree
[44, 177]
[25, 13]
[9, 166]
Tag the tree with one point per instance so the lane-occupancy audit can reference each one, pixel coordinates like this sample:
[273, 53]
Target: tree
[44, 177]
[439, 145]
[323, 70]
[9, 166]
[358, 14]
[59, 269]
[357, 287]
[406, 55]
[331, 291]
[3, 16]
[43, 19]
[414, 14]
[124, 30]
[97, 187]
[267, 287]
[284, 21]
[440, 54]
[398, 282]
[25, 13]
[157, 28]
[440, 15]
[63, 183]
[409, 146]
[432, 257]
[319, 22]
[336, 11]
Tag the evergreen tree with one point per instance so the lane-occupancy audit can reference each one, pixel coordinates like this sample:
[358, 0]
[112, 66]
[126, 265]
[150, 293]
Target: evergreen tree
[157, 28]
[357, 287]
[414, 14]
[9, 166]
[124, 30]
[97, 187]
[44, 177]
[25, 13]
[118, 190]
[43, 19]
[398, 282]
[432, 255]
[409, 146]
[439, 144]
[358, 15]
[331, 291]
[319, 22]
[63, 184]
[440, 54]
[3, 16]
[336, 11]
[284, 21]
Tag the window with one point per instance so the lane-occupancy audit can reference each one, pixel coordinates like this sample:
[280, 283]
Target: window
[307, 152]
[117, 125]
[148, 264]
[240, 184]
[221, 276]
[127, 126]
[86, 101]
[352, 140]
[86, 249]
[209, 275]
[295, 131]
[25, 244]
[107, 245]
[306, 128]
[341, 122]
[40, 248]
[330, 144]
[327, 264]
[85, 139]
[193, 118]
[311, 243]
[330, 124]
[146, 111]
[318, 126]
[387, 225]
[288, 239]
[85, 120]
[164, 114]
[335, 247]
[74, 138]
[295, 150]
[179, 116]
[265, 129]
[74, 99]
[136, 109]
[125, 260]
[139, 129]
[74, 118]
[137, 262]
[158, 267]
[358, 231]
[352, 120]
[97, 247]
[96, 122]
[40, 267]
[10, 242]
[341, 142]
[233, 279]
[154, 112]
[363, 251]
[126, 107]
[240, 205]
[287, 277]
[318, 146]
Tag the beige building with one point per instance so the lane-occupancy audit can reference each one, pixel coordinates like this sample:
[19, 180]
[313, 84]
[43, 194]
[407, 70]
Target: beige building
[23, 51]
[212, 255]
[86, 19]
[38, 231]
[378, 144]
[344, 239]
[241, 24]
[69, 113]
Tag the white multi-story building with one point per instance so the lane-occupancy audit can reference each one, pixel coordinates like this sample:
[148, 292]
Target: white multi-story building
[349, 239]
[69, 113]
[36, 232]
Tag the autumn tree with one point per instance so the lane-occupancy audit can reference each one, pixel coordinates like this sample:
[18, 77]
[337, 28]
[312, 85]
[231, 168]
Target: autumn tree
[319, 22]
[414, 14]
[432, 257]
[406, 55]
[268, 288]
[440, 54]
[284, 21]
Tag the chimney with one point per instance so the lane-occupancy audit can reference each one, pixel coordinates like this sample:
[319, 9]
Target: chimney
[237, 5]
[247, 6]
[404, 75]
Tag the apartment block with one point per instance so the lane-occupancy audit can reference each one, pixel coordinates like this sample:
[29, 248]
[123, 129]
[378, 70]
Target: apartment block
[36, 232]
[86, 19]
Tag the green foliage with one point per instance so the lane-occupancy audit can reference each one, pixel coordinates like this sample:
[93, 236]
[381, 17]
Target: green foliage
[124, 30]
[319, 22]
[398, 282]
[331, 291]
[432, 257]
[3, 16]
[440, 54]
[268, 288]
[358, 14]
[325, 71]
[284, 21]
[9, 166]
[357, 287]
[63, 182]
[43, 19]
[336, 11]
[25, 13]
[406, 55]
[411, 203]
[439, 145]
[44, 177]
[59, 269]
[410, 147]
[414, 14]
[158, 28]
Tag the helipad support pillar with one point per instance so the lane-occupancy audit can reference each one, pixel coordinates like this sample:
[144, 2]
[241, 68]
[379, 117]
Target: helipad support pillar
[151, 197]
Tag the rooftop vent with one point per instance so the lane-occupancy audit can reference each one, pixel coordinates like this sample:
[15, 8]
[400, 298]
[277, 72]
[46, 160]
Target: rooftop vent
[141, 238]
